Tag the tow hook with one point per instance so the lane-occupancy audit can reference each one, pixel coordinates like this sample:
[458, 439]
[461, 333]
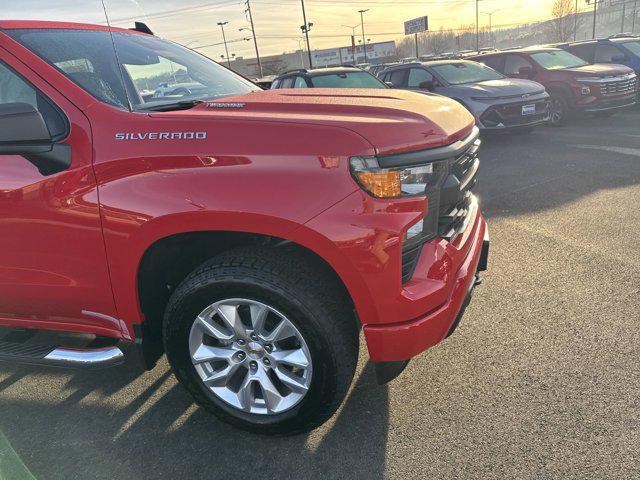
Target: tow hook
[478, 281]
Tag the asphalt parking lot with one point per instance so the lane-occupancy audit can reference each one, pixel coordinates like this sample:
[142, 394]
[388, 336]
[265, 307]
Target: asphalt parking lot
[542, 379]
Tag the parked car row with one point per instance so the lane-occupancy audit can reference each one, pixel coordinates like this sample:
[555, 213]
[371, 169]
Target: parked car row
[574, 85]
[496, 102]
[510, 89]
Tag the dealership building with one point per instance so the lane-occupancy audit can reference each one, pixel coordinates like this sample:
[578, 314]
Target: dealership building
[380, 52]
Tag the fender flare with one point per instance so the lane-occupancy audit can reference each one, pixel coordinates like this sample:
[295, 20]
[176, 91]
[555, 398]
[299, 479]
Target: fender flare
[125, 282]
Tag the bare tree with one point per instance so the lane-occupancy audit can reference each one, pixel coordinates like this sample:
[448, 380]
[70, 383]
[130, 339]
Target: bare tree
[440, 42]
[274, 67]
[563, 25]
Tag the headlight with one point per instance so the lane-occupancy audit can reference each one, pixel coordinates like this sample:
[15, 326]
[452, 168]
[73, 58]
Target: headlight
[396, 182]
[585, 90]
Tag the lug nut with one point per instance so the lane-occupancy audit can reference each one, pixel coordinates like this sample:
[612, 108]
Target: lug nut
[241, 355]
[254, 337]
[267, 362]
[241, 342]
[253, 365]
[268, 348]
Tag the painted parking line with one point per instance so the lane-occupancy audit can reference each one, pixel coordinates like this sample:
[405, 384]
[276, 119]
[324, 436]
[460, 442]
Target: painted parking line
[635, 152]
[11, 466]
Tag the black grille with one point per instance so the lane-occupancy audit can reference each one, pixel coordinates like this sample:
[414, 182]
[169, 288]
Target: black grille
[456, 198]
[409, 260]
[510, 115]
[453, 203]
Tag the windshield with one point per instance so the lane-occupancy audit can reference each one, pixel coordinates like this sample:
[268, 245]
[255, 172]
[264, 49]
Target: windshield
[633, 47]
[465, 72]
[347, 80]
[153, 72]
[557, 59]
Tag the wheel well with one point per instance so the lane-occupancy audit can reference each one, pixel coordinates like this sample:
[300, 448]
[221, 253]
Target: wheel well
[562, 91]
[170, 260]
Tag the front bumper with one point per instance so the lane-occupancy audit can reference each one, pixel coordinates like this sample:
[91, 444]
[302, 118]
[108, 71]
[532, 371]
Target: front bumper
[508, 116]
[399, 342]
[608, 105]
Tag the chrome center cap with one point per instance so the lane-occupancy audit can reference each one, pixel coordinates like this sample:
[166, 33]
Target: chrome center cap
[255, 350]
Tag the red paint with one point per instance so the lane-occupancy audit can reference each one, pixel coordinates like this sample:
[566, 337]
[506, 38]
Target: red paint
[565, 80]
[72, 243]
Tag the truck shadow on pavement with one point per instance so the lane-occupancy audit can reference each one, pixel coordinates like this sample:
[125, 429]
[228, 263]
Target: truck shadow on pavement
[552, 167]
[114, 424]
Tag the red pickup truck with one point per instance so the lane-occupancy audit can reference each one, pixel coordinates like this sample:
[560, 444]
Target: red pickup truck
[248, 234]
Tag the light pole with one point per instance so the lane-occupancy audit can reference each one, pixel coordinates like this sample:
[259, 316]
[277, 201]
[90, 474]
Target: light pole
[256, 45]
[364, 45]
[635, 12]
[575, 23]
[228, 59]
[255, 40]
[490, 14]
[595, 15]
[305, 28]
[224, 39]
[353, 40]
[478, 26]
[353, 29]
[301, 49]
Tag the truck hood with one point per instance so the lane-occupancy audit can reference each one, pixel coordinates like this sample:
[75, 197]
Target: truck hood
[505, 88]
[391, 120]
[599, 70]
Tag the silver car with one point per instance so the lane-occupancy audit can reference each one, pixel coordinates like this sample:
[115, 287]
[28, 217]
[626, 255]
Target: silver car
[496, 102]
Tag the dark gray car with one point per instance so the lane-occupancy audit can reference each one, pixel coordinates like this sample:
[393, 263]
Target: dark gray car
[497, 102]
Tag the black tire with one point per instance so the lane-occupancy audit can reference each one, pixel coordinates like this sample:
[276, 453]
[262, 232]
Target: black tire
[559, 107]
[307, 296]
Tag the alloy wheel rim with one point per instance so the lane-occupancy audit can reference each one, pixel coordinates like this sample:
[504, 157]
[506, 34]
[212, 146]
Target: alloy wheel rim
[556, 111]
[250, 356]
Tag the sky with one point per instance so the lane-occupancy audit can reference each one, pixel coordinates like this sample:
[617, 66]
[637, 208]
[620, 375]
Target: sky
[277, 22]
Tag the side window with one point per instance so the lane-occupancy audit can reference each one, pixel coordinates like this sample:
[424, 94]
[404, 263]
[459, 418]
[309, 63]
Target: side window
[397, 77]
[418, 76]
[287, 82]
[300, 83]
[605, 53]
[497, 63]
[15, 89]
[276, 84]
[584, 51]
[513, 64]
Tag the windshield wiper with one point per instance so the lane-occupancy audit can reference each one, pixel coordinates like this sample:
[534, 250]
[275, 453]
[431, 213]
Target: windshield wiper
[168, 107]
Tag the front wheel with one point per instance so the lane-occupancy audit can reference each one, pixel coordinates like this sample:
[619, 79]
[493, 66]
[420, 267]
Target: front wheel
[261, 341]
[558, 110]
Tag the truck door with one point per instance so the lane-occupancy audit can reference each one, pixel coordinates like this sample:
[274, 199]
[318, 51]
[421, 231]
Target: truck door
[53, 268]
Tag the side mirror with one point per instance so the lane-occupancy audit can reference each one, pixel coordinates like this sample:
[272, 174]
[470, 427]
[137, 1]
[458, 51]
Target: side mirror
[428, 85]
[525, 72]
[618, 58]
[24, 132]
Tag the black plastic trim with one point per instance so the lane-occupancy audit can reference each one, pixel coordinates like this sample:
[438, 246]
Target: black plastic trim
[430, 155]
[388, 371]
[147, 348]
